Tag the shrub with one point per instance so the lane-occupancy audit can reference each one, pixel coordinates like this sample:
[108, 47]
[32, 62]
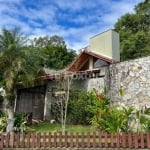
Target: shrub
[3, 122]
[77, 107]
[19, 123]
[144, 117]
[98, 106]
[106, 117]
[115, 120]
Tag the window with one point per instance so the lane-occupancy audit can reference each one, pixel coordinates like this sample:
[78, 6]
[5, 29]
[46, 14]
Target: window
[99, 63]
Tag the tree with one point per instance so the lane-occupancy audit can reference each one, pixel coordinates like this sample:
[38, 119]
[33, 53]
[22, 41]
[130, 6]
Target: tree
[54, 52]
[64, 80]
[15, 66]
[134, 30]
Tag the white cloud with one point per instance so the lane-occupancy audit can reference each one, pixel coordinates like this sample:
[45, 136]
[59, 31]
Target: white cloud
[10, 1]
[86, 18]
[75, 5]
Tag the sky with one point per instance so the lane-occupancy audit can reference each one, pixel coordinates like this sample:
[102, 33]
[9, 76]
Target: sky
[74, 20]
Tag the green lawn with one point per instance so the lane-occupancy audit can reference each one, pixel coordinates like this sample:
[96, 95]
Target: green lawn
[47, 127]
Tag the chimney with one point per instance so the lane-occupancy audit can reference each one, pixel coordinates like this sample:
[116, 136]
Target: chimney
[106, 44]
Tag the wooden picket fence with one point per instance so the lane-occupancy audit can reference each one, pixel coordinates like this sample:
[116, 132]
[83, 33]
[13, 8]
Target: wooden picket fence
[75, 140]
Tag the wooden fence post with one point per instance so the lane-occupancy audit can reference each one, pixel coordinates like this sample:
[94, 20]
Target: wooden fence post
[1, 140]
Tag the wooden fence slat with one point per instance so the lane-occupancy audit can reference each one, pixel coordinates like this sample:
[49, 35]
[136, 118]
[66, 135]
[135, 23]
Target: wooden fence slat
[148, 140]
[17, 140]
[123, 140]
[60, 140]
[38, 144]
[115, 140]
[100, 139]
[94, 140]
[145, 140]
[82, 139]
[33, 137]
[142, 140]
[11, 141]
[49, 140]
[71, 140]
[88, 140]
[1, 140]
[28, 140]
[44, 139]
[136, 145]
[106, 140]
[66, 139]
[77, 140]
[118, 140]
[55, 139]
[129, 144]
[7, 138]
[112, 140]
[22, 140]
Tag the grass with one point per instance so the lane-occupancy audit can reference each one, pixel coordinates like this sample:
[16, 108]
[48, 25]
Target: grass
[47, 127]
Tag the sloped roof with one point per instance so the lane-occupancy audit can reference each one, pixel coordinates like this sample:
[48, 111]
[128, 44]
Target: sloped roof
[47, 71]
[83, 58]
[49, 74]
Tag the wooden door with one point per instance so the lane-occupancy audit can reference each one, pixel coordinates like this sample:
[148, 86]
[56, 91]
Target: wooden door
[31, 100]
[38, 106]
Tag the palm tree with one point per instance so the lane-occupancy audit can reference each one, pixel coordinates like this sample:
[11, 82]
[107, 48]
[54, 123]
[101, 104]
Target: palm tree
[14, 67]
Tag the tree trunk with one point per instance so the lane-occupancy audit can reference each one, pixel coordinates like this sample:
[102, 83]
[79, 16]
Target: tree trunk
[10, 123]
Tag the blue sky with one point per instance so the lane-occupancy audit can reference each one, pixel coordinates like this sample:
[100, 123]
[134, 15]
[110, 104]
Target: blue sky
[74, 20]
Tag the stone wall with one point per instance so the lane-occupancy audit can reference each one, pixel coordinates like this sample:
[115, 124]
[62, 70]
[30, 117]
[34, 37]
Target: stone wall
[133, 78]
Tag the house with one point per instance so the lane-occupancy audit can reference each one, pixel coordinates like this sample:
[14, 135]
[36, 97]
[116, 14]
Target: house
[90, 70]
